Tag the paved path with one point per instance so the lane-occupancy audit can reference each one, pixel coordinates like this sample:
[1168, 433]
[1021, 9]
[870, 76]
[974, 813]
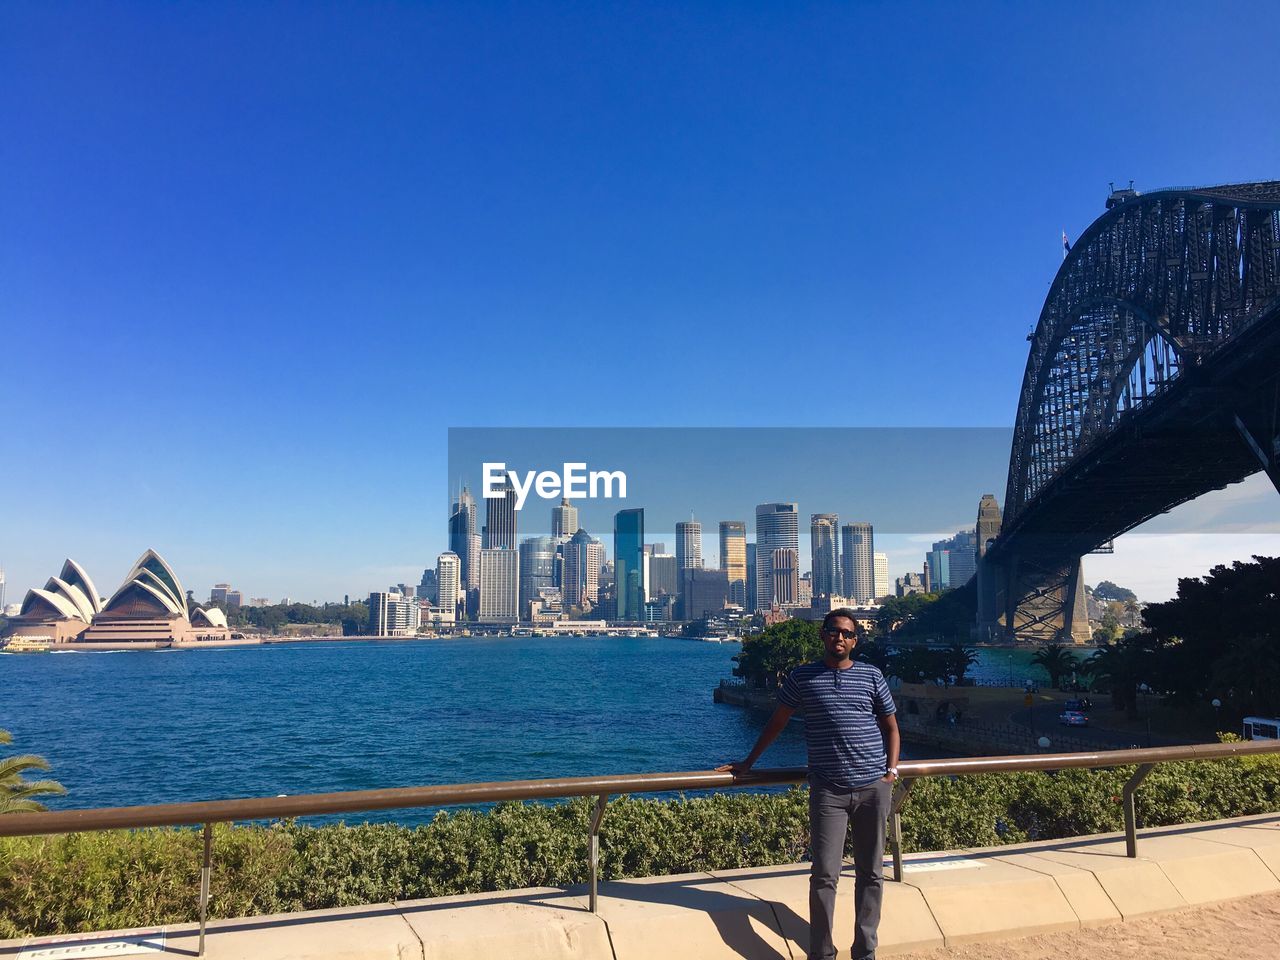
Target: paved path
[1246, 929]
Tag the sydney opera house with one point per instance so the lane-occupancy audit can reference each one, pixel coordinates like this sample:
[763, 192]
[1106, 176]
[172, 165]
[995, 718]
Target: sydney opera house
[150, 609]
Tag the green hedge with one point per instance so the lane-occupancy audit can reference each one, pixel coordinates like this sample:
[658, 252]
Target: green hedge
[98, 881]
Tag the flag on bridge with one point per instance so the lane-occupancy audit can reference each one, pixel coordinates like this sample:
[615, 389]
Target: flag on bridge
[1066, 245]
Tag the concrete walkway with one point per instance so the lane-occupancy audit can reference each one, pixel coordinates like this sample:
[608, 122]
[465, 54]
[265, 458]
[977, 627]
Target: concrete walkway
[957, 897]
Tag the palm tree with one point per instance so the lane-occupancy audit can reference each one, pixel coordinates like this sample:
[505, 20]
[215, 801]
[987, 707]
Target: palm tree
[1055, 660]
[959, 659]
[1122, 666]
[16, 792]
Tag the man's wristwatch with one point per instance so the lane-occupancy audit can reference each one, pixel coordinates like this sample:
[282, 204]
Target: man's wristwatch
[893, 770]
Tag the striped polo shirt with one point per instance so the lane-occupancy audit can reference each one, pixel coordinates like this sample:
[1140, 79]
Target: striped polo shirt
[846, 748]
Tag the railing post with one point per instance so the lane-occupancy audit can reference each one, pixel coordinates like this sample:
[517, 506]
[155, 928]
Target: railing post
[1130, 811]
[205, 871]
[895, 825]
[593, 851]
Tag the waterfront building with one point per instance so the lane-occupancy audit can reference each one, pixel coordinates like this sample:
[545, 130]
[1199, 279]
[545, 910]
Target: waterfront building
[464, 538]
[499, 585]
[392, 614]
[628, 559]
[824, 534]
[437, 617]
[752, 604]
[500, 519]
[859, 561]
[583, 558]
[703, 593]
[149, 608]
[660, 609]
[881, 575]
[449, 592]
[429, 587]
[733, 559]
[537, 568]
[784, 568]
[564, 520]
[777, 528]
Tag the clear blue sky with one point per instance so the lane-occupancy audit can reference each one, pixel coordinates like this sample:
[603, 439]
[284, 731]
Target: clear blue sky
[256, 259]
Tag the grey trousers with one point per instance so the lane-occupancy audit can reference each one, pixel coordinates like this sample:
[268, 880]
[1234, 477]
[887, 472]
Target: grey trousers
[831, 811]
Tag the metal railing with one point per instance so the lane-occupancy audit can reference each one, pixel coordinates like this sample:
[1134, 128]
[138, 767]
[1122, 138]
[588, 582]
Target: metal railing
[209, 812]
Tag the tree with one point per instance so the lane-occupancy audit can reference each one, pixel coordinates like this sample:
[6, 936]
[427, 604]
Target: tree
[768, 656]
[1121, 666]
[16, 792]
[1056, 661]
[959, 659]
[1106, 591]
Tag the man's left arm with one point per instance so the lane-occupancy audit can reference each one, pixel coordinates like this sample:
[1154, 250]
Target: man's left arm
[892, 742]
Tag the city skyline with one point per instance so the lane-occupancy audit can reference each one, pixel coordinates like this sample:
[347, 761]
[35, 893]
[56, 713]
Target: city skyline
[330, 200]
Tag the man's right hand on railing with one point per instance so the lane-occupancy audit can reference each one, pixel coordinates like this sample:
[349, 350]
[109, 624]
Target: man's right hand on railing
[738, 769]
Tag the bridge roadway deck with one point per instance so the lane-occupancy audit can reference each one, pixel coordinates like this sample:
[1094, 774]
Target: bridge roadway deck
[945, 899]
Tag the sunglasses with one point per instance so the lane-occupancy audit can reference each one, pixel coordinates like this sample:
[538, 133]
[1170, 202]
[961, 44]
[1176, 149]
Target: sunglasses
[846, 634]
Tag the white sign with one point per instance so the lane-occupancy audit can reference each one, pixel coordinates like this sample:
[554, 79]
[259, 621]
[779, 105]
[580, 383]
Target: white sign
[95, 945]
[924, 866]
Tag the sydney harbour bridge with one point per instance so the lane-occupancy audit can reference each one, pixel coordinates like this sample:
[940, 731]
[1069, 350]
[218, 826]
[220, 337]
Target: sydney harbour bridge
[1153, 377]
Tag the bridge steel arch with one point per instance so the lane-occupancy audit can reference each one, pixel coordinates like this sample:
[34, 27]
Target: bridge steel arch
[1153, 377]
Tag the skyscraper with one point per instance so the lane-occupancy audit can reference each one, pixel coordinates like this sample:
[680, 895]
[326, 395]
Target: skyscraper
[449, 581]
[883, 587]
[777, 527]
[961, 563]
[628, 561]
[937, 568]
[688, 544]
[664, 575]
[702, 593]
[462, 534]
[583, 557]
[824, 534]
[752, 584]
[785, 570]
[499, 585]
[858, 561]
[537, 569]
[564, 520]
[733, 559]
[429, 587]
[500, 518]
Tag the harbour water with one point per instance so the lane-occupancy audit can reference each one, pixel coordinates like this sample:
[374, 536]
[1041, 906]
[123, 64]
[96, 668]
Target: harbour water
[167, 726]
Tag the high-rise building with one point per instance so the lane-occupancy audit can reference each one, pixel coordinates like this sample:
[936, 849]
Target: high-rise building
[753, 602]
[583, 558]
[218, 594]
[499, 585]
[537, 569]
[429, 589]
[777, 527]
[234, 599]
[564, 520]
[500, 518]
[824, 535]
[881, 563]
[688, 544]
[733, 559]
[909, 583]
[859, 561]
[664, 575]
[703, 593]
[628, 561]
[804, 591]
[392, 615]
[961, 560]
[464, 538]
[784, 567]
[449, 592]
[937, 564]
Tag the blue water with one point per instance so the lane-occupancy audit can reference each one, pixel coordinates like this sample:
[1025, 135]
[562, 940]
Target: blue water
[166, 726]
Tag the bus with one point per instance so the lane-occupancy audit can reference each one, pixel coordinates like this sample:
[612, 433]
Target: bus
[1261, 728]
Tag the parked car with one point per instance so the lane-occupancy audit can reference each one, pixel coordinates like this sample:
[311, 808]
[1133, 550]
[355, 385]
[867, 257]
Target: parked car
[1082, 705]
[1073, 718]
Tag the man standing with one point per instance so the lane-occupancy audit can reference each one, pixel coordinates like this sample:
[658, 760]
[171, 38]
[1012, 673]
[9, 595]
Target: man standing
[852, 739]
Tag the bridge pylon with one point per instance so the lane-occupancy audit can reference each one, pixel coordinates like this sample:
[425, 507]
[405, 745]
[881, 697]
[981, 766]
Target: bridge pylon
[1025, 600]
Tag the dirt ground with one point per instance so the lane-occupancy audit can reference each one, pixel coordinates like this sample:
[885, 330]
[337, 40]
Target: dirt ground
[1247, 929]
